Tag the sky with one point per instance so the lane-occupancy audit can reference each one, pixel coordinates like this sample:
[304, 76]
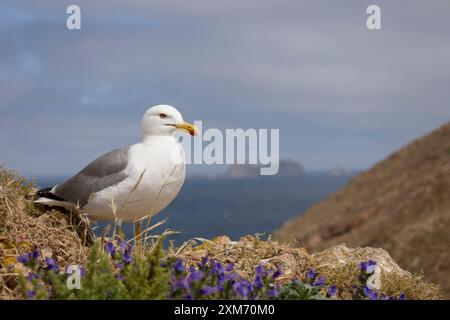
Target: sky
[341, 95]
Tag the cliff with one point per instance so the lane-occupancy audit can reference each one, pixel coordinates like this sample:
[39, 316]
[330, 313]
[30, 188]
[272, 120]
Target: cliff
[402, 204]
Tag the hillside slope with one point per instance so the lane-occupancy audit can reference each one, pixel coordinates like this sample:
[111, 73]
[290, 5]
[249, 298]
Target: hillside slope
[402, 205]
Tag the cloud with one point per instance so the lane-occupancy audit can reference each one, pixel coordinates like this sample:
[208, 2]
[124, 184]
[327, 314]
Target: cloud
[310, 68]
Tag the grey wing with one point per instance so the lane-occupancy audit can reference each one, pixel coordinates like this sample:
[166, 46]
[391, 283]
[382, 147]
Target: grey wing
[106, 171]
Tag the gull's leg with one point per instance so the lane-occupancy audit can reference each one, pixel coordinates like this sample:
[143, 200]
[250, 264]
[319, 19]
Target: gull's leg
[138, 233]
[120, 233]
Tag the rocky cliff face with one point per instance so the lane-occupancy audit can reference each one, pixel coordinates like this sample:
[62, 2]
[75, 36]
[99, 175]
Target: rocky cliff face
[402, 205]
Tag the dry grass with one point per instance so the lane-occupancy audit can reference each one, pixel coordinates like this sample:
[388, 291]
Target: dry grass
[21, 230]
[247, 253]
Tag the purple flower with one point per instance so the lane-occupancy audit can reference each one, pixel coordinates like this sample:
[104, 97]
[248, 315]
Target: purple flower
[188, 297]
[183, 283]
[370, 294]
[191, 269]
[109, 247]
[320, 282]
[35, 254]
[203, 262]
[273, 292]
[32, 276]
[51, 265]
[374, 296]
[31, 294]
[217, 268]
[221, 277]
[243, 291]
[121, 277]
[173, 279]
[276, 274]
[259, 270]
[123, 245]
[196, 275]
[220, 284]
[258, 282]
[241, 288]
[371, 263]
[229, 267]
[332, 290]
[212, 263]
[370, 266]
[402, 296]
[232, 276]
[207, 290]
[23, 258]
[127, 258]
[178, 266]
[363, 266]
[310, 274]
[120, 266]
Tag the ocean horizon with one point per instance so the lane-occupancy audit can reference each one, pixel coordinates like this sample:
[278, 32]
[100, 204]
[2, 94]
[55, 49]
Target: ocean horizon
[207, 208]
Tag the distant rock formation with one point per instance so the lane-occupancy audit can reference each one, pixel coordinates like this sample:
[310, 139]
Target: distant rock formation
[402, 205]
[287, 168]
[339, 172]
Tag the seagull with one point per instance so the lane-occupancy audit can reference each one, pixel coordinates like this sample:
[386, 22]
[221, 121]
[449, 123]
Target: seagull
[129, 184]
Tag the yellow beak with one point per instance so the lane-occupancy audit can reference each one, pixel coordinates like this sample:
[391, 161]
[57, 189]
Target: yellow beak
[190, 128]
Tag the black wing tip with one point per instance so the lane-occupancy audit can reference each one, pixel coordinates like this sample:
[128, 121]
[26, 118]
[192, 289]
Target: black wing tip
[46, 192]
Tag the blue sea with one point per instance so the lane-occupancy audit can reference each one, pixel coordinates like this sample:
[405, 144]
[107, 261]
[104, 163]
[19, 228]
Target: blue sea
[207, 208]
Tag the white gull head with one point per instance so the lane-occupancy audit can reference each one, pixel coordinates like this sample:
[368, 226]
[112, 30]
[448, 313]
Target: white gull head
[164, 120]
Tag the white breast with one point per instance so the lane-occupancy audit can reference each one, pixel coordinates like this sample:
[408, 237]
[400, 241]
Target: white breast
[156, 173]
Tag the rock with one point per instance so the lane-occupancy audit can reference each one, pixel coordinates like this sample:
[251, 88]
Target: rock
[44, 219]
[340, 256]
[222, 240]
[340, 265]
[49, 219]
[292, 263]
[286, 168]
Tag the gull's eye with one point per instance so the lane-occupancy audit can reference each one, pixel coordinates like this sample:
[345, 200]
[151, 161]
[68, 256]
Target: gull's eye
[163, 115]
